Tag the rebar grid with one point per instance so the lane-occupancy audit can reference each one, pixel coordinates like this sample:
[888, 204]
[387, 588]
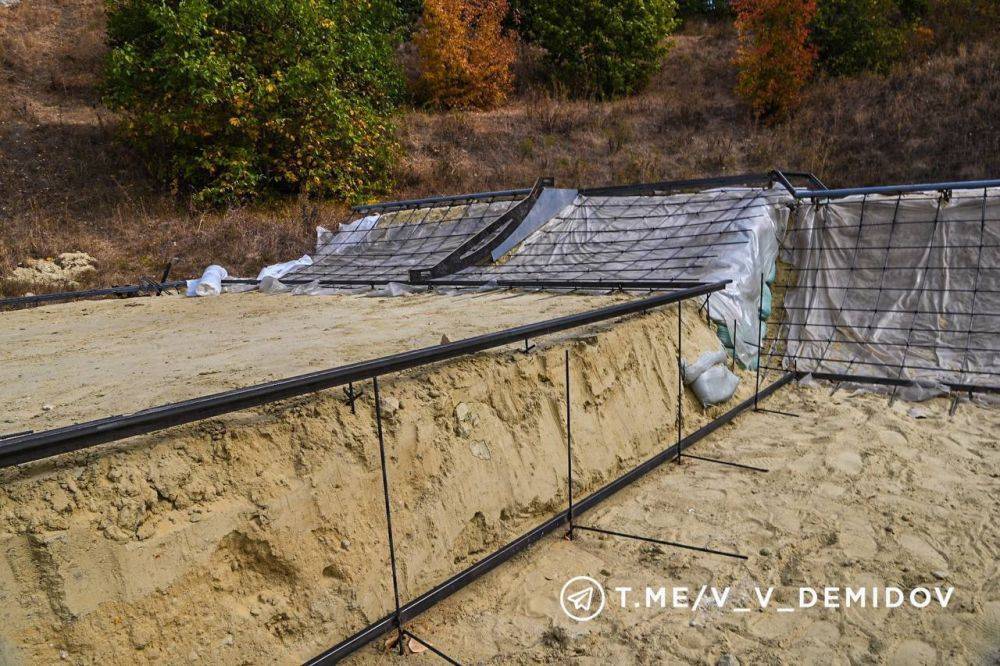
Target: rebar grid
[903, 288]
[648, 237]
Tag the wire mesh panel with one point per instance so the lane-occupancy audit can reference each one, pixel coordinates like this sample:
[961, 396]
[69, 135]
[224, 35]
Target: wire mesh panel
[903, 287]
[722, 234]
[387, 243]
[635, 238]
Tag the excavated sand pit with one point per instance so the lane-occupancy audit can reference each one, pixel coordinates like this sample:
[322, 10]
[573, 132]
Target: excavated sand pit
[260, 537]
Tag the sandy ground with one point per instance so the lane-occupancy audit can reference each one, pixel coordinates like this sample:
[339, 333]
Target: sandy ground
[259, 537]
[858, 494]
[66, 363]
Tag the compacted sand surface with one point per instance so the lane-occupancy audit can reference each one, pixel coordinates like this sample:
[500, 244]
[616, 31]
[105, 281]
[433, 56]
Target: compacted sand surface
[73, 362]
[259, 537]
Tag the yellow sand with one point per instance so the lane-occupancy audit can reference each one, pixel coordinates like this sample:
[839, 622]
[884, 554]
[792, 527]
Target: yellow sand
[259, 537]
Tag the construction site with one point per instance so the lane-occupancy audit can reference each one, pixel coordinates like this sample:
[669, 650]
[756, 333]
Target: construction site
[408, 444]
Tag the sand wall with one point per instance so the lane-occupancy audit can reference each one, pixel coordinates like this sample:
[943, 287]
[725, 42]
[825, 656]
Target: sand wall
[260, 536]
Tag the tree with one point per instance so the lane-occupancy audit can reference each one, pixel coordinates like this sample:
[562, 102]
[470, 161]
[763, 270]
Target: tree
[231, 98]
[773, 57]
[464, 53]
[605, 48]
[854, 36]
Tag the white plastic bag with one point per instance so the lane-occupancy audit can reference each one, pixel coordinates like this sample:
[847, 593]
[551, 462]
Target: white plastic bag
[210, 282]
[282, 269]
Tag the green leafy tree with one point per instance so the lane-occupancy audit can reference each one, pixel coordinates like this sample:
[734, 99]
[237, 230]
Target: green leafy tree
[605, 48]
[231, 98]
[854, 36]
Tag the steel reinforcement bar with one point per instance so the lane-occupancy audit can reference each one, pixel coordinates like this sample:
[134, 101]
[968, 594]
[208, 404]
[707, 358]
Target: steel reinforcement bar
[498, 195]
[613, 285]
[426, 600]
[126, 290]
[36, 446]
[894, 189]
[959, 387]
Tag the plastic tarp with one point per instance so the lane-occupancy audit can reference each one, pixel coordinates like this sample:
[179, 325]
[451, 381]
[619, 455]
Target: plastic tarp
[550, 202]
[722, 234]
[901, 287]
[387, 245]
[280, 270]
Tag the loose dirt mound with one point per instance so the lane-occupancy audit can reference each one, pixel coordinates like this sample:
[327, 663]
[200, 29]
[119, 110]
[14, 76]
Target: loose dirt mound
[67, 272]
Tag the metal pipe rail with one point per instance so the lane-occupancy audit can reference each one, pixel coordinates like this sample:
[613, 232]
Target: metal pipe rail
[36, 446]
[440, 592]
[887, 381]
[125, 290]
[648, 189]
[498, 195]
[894, 189]
[614, 285]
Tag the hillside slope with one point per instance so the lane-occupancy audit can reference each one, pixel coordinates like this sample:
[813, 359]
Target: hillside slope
[67, 184]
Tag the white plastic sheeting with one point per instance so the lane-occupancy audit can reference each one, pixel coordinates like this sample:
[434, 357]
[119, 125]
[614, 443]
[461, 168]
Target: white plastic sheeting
[549, 203]
[347, 235]
[721, 234]
[385, 246]
[278, 271]
[901, 287]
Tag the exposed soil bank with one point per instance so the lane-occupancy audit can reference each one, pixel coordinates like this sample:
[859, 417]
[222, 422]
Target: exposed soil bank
[259, 537]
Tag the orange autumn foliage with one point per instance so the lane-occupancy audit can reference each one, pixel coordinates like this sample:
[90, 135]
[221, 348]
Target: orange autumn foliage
[464, 54]
[774, 59]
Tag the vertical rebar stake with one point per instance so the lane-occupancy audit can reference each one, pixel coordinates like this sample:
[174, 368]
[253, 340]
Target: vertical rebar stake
[388, 512]
[760, 317]
[733, 340]
[569, 451]
[680, 381]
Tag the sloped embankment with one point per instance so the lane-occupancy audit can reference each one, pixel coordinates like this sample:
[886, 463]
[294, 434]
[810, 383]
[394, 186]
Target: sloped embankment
[263, 533]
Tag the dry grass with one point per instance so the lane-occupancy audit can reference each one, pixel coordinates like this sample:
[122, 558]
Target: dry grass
[67, 184]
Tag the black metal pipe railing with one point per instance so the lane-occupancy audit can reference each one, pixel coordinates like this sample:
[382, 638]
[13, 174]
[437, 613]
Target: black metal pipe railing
[124, 290]
[38, 445]
[412, 609]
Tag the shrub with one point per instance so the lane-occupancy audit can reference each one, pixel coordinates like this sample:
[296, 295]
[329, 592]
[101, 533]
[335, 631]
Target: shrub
[605, 48]
[854, 36]
[774, 60]
[229, 98]
[954, 21]
[464, 53]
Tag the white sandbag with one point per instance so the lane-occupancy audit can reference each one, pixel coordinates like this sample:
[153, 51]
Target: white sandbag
[704, 362]
[282, 269]
[715, 385]
[210, 282]
[710, 379]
